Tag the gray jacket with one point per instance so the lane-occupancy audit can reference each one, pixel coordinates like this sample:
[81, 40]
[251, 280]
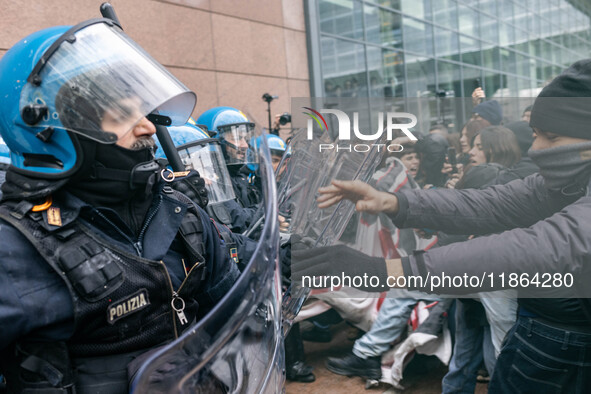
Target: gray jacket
[533, 231]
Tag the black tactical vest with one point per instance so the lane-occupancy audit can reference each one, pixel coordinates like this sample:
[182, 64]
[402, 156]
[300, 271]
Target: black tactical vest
[123, 303]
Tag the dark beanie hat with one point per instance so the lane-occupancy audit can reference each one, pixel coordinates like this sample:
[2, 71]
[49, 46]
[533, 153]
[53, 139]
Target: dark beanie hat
[523, 133]
[564, 106]
[490, 110]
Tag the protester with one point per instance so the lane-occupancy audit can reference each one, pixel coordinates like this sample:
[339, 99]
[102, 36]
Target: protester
[377, 236]
[490, 111]
[494, 150]
[526, 114]
[483, 322]
[432, 149]
[524, 134]
[469, 131]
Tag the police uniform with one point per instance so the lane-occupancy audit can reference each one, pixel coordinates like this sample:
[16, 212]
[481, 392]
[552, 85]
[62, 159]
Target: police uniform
[246, 186]
[92, 290]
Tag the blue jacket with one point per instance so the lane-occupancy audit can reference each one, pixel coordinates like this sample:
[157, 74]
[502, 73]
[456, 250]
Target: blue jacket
[35, 302]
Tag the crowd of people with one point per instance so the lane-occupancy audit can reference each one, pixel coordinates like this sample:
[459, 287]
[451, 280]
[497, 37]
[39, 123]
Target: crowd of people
[487, 154]
[512, 202]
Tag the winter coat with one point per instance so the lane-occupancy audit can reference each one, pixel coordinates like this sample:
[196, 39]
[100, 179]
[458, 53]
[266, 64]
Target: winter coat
[540, 233]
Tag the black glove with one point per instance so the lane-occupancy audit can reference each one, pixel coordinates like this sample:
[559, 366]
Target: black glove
[285, 264]
[339, 261]
[193, 186]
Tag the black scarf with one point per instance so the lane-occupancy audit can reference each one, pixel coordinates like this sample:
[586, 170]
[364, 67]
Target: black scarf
[565, 168]
[109, 178]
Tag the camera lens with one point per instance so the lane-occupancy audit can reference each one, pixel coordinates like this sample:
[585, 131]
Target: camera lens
[284, 119]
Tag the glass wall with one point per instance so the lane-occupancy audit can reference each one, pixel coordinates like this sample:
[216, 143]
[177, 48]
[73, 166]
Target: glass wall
[444, 48]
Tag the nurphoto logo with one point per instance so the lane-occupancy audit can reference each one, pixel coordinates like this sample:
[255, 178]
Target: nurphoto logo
[344, 129]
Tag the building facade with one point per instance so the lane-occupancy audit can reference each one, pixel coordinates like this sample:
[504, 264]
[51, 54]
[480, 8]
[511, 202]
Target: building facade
[229, 52]
[443, 48]
[232, 52]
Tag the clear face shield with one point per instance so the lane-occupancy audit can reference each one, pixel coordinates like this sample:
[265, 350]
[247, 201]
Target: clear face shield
[206, 157]
[236, 139]
[97, 82]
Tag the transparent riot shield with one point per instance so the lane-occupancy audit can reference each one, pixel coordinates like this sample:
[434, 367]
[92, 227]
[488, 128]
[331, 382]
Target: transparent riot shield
[315, 162]
[238, 346]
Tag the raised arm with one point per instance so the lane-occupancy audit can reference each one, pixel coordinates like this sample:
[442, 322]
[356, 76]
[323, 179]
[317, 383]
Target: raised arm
[557, 245]
[520, 203]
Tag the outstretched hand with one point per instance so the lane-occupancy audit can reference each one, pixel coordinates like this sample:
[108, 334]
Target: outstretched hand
[365, 197]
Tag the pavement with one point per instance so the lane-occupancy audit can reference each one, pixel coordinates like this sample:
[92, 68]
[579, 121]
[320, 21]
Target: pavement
[422, 376]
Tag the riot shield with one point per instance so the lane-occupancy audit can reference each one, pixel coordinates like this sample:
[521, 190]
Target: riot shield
[308, 169]
[238, 346]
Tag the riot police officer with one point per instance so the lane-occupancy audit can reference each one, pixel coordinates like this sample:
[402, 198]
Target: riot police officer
[235, 131]
[100, 260]
[199, 152]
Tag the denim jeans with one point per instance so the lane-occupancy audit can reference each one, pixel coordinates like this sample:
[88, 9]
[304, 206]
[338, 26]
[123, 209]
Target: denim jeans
[539, 358]
[501, 313]
[390, 323]
[473, 343]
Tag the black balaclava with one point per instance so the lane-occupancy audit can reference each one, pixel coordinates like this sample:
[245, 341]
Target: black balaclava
[118, 178]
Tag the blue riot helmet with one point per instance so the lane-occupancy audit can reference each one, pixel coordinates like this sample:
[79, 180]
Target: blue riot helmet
[234, 130]
[64, 82]
[204, 154]
[276, 145]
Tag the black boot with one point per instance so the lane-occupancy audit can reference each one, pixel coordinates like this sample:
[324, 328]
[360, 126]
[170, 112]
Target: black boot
[300, 372]
[296, 368]
[351, 365]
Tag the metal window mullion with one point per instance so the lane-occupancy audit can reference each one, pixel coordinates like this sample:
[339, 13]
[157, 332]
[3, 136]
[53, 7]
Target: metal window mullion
[313, 41]
[363, 25]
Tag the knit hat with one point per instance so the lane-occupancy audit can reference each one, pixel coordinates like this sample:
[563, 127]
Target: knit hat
[490, 110]
[523, 133]
[564, 106]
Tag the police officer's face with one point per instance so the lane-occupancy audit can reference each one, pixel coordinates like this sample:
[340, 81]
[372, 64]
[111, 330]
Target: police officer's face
[120, 122]
[238, 140]
[275, 161]
[545, 140]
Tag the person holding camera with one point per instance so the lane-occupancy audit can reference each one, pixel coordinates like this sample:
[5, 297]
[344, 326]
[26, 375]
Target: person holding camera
[280, 120]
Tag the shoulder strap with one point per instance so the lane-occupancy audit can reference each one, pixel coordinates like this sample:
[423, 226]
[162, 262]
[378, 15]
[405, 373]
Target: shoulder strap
[89, 269]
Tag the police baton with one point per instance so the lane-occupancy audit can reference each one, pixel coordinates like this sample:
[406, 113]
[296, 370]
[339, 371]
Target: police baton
[168, 146]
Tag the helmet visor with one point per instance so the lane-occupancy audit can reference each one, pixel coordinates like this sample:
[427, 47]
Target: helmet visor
[101, 84]
[206, 157]
[237, 140]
